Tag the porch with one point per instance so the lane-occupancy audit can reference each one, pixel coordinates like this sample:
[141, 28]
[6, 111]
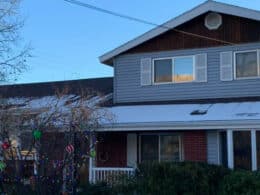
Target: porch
[118, 153]
[216, 133]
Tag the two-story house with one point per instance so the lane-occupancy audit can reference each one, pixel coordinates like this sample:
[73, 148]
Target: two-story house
[188, 90]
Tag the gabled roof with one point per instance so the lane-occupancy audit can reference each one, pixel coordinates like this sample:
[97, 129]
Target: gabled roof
[205, 7]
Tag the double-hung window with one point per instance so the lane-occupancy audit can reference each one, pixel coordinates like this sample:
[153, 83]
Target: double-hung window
[246, 64]
[174, 70]
[160, 148]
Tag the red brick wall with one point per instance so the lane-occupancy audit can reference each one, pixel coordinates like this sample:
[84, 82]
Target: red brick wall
[195, 146]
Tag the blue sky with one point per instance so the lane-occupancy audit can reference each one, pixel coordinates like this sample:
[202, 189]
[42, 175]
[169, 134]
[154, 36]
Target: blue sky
[67, 39]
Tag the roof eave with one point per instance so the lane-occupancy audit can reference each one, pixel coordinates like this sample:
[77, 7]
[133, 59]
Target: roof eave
[182, 126]
[109, 62]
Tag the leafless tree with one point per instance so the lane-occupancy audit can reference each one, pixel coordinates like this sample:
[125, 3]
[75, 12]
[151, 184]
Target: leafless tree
[74, 117]
[12, 54]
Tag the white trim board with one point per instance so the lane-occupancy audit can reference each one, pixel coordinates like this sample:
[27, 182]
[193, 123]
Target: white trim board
[201, 9]
[183, 126]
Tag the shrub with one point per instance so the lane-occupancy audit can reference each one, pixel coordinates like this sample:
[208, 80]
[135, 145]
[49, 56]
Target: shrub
[95, 189]
[185, 178]
[17, 188]
[125, 185]
[241, 182]
[179, 178]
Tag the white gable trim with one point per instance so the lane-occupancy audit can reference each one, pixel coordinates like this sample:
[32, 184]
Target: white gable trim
[201, 9]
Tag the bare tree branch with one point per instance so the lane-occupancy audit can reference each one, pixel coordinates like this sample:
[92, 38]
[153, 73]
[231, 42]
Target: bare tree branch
[12, 55]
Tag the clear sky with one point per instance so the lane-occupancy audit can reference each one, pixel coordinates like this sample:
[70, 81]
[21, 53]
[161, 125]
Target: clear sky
[67, 39]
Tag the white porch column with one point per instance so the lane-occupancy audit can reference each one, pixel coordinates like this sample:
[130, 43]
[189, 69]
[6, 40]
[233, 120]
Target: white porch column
[253, 146]
[90, 166]
[91, 163]
[131, 150]
[230, 151]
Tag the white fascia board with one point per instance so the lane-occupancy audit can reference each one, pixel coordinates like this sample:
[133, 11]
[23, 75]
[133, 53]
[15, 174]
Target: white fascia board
[192, 125]
[235, 11]
[201, 9]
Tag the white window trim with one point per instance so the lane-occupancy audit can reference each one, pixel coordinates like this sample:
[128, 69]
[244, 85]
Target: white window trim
[181, 155]
[172, 59]
[234, 67]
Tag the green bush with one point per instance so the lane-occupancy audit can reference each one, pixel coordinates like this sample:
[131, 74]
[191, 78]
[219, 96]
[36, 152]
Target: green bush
[124, 185]
[179, 178]
[185, 178]
[95, 189]
[17, 188]
[241, 182]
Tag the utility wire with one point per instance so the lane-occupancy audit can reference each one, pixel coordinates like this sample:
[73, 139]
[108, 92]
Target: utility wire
[89, 6]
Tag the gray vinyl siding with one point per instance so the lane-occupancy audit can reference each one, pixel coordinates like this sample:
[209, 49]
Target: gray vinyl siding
[127, 87]
[213, 147]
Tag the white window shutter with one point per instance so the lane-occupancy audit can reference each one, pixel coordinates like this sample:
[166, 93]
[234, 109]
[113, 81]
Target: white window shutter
[146, 71]
[258, 54]
[201, 68]
[226, 66]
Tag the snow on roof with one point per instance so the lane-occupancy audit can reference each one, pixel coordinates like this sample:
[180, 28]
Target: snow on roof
[154, 117]
[183, 115]
[58, 111]
[48, 101]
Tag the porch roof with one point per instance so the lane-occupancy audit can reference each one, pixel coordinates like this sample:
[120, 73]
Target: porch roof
[184, 116]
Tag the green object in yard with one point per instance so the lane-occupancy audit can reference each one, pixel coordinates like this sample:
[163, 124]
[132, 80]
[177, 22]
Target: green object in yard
[92, 153]
[2, 165]
[37, 134]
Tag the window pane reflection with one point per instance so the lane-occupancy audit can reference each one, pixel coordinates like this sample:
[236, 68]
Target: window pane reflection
[170, 149]
[246, 64]
[183, 69]
[149, 148]
[163, 71]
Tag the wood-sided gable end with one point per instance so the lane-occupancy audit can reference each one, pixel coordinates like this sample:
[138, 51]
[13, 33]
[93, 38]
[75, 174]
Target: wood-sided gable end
[233, 30]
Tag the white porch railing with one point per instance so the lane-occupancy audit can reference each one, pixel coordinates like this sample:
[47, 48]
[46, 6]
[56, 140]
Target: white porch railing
[108, 174]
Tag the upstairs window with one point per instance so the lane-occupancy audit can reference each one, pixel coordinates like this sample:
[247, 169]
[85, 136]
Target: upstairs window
[174, 70]
[246, 64]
